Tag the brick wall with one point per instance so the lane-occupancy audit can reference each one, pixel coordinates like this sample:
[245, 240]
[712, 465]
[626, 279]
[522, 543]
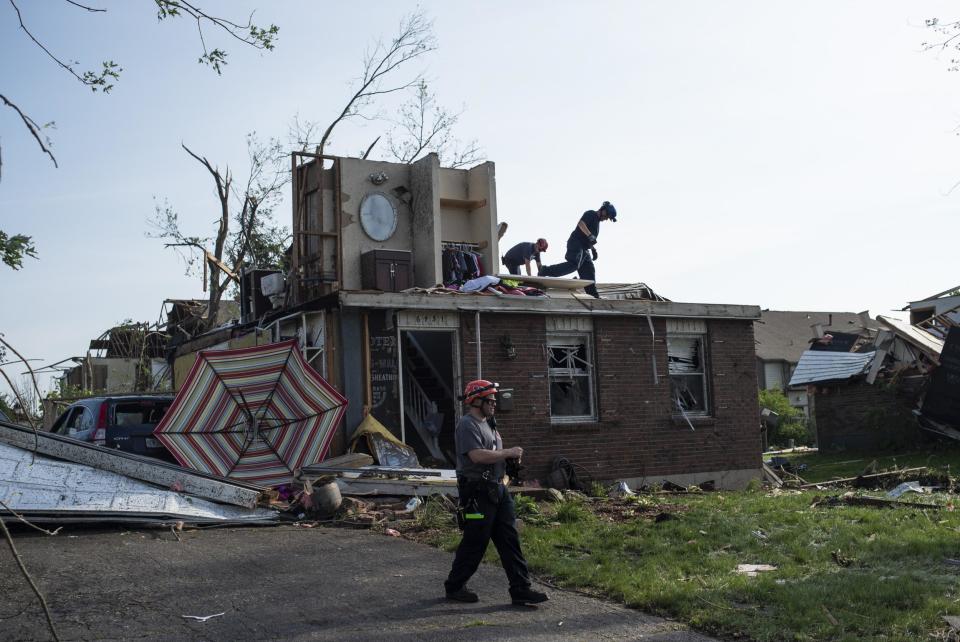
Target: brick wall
[636, 435]
[859, 416]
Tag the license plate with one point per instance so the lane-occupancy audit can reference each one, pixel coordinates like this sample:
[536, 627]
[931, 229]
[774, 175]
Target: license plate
[152, 443]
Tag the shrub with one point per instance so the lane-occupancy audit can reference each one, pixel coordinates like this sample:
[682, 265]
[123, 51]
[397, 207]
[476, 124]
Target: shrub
[791, 425]
[525, 506]
[571, 511]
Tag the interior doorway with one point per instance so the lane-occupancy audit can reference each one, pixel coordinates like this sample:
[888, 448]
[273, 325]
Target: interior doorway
[429, 362]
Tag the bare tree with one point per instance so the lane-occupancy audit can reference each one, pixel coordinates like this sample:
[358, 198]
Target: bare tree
[15, 247]
[247, 233]
[947, 38]
[425, 126]
[380, 64]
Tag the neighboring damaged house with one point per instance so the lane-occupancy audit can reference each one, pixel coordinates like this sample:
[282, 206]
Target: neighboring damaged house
[783, 336]
[630, 386]
[863, 390]
[938, 313]
[126, 358]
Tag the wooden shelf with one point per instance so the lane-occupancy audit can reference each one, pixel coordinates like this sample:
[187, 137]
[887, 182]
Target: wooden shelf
[462, 204]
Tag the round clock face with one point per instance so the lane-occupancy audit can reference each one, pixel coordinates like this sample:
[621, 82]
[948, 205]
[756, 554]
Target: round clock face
[378, 216]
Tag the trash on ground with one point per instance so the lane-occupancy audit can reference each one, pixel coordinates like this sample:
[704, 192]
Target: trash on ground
[202, 618]
[621, 489]
[907, 487]
[841, 559]
[752, 570]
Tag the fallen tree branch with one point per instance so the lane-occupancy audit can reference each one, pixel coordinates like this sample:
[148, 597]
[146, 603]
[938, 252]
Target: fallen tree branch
[29, 523]
[847, 480]
[33, 585]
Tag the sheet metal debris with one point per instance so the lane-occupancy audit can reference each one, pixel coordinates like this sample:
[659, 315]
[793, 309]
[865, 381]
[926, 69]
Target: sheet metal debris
[44, 489]
[816, 366]
[211, 487]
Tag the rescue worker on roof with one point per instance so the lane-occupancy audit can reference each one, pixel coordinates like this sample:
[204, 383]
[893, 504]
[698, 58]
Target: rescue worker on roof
[486, 507]
[523, 253]
[581, 252]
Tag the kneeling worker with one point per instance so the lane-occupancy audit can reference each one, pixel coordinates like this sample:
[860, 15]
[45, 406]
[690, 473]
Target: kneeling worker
[487, 506]
[523, 253]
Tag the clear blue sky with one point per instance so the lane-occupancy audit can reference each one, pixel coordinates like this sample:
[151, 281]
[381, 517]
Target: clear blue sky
[795, 156]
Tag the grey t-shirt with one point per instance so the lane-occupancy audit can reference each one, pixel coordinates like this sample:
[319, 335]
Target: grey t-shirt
[470, 435]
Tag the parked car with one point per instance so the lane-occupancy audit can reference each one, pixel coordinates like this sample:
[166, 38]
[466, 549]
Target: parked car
[122, 422]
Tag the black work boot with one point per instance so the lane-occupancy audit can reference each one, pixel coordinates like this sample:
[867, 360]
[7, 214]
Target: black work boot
[462, 594]
[527, 596]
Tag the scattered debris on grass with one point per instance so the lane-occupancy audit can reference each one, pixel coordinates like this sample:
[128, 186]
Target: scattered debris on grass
[752, 570]
[870, 480]
[841, 559]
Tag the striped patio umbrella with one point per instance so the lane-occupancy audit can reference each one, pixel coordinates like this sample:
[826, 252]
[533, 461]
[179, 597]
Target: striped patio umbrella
[255, 414]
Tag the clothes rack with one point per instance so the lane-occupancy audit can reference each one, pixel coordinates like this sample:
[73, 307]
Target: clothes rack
[466, 246]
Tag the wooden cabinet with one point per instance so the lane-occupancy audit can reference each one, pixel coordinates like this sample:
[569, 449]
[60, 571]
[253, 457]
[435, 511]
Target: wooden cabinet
[387, 270]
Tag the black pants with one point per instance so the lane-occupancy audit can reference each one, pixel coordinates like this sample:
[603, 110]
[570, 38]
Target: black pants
[497, 525]
[577, 259]
[512, 268]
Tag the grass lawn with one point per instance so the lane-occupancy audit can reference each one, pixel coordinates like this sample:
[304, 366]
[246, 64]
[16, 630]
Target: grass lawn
[842, 572]
[941, 458]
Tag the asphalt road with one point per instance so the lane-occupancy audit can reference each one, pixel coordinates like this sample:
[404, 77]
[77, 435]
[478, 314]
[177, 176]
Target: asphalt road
[280, 583]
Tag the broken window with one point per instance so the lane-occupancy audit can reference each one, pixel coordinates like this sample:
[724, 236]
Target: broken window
[570, 370]
[688, 374]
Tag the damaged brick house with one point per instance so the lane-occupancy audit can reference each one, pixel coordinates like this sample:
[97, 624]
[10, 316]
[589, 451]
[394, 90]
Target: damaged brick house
[629, 386]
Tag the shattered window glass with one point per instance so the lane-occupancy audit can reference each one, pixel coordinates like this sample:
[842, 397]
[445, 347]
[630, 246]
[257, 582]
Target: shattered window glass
[688, 381]
[571, 378]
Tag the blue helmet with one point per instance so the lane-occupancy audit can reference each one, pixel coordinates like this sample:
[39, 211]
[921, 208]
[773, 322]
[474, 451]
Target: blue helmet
[610, 210]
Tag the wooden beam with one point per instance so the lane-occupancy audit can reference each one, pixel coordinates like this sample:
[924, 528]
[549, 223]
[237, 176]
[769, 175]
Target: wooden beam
[220, 264]
[847, 480]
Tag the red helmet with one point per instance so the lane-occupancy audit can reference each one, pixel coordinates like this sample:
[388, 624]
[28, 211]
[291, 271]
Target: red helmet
[542, 245]
[479, 389]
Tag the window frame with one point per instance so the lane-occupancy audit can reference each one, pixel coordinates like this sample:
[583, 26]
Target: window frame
[704, 374]
[585, 338]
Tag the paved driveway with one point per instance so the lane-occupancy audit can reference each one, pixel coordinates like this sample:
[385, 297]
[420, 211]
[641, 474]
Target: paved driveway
[281, 583]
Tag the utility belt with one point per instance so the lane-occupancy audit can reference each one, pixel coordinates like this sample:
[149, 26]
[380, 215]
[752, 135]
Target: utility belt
[472, 491]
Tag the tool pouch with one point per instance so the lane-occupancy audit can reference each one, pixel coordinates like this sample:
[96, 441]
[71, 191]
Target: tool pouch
[468, 508]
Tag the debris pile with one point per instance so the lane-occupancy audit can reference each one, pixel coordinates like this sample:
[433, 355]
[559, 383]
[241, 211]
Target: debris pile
[875, 388]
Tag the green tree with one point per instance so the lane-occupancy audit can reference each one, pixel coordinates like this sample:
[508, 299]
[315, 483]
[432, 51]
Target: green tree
[247, 233]
[791, 422]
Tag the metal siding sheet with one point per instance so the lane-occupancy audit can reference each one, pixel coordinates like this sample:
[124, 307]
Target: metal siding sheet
[817, 366]
[31, 483]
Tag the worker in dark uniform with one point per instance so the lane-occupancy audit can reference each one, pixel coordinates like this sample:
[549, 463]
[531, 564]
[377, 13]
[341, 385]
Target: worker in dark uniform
[522, 254]
[487, 508]
[581, 252]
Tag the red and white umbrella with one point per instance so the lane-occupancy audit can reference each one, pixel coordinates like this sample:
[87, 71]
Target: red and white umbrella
[256, 414]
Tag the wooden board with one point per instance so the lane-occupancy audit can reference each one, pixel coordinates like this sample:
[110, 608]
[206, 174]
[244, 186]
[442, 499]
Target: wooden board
[544, 282]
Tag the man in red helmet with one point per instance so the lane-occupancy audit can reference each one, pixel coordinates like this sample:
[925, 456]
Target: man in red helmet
[487, 507]
[522, 254]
